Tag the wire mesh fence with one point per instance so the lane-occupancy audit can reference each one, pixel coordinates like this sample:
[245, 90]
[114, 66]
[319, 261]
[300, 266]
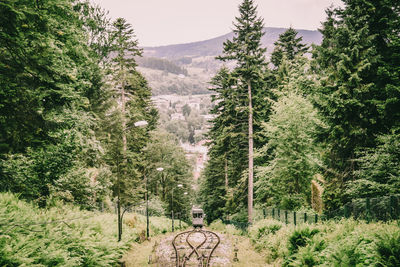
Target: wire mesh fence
[383, 208]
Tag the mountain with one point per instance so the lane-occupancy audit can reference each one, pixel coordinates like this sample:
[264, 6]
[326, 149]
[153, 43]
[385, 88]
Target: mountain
[213, 47]
[198, 59]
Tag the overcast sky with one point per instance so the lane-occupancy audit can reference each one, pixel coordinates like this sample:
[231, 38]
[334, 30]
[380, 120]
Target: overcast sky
[162, 22]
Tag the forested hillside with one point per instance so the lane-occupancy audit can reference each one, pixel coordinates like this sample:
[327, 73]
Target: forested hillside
[197, 62]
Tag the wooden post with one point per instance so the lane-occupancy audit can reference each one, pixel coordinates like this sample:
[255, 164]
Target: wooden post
[305, 217]
[294, 218]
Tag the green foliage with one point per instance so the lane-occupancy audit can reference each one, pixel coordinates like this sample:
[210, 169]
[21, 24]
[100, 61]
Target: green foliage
[45, 70]
[379, 173]
[64, 235]
[359, 85]
[236, 112]
[292, 150]
[388, 249]
[332, 243]
[288, 46]
[60, 236]
[164, 152]
[300, 238]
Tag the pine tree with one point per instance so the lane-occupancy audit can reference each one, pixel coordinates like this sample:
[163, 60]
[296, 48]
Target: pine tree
[131, 104]
[246, 50]
[228, 146]
[288, 45]
[360, 84]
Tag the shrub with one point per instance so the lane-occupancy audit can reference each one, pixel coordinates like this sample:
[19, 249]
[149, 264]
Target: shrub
[64, 235]
[300, 238]
[388, 249]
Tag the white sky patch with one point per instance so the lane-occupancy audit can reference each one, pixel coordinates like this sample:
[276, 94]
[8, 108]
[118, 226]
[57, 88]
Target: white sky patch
[163, 22]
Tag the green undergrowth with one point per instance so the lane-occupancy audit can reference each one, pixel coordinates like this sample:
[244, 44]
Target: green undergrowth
[220, 227]
[332, 243]
[66, 236]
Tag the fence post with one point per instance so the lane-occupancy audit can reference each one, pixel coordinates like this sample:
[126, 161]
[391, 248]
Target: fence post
[286, 216]
[368, 208]
[316, 218]
[273, 213]
[294, 217]
[279, 214]
[264, 213]
[305, 217]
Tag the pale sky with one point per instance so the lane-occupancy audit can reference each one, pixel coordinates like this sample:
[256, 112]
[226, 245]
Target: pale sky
[163, 22]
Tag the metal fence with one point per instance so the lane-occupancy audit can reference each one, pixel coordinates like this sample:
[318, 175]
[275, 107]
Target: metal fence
[383, 208]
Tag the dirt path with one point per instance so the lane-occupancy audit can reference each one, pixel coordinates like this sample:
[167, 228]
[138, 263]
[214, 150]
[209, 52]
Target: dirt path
[160, 252]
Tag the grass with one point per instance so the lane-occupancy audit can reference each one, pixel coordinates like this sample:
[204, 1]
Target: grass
[66, 236]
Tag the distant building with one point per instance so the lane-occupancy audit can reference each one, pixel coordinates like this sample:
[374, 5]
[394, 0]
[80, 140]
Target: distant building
[177, 117]
[208, 117]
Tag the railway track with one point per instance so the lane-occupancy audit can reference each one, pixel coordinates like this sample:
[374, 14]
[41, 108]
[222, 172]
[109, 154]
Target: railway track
[194, 248]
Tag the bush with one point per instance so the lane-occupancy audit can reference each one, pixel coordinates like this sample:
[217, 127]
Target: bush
[388, 249]
[300, 238]
[330, 243]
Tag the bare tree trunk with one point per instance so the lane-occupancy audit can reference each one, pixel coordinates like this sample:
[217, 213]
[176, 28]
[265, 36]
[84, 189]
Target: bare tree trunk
[124, 144]
[250, 185]
[226, 174]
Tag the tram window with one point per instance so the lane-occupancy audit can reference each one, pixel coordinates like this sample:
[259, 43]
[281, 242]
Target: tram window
[197, 215]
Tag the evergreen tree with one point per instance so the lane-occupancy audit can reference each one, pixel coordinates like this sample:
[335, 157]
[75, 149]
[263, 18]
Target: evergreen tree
[228, 137]
[288, 45]
[360, 84]
[131, 103]
[246, 50]
[379, 171]
[48, 77]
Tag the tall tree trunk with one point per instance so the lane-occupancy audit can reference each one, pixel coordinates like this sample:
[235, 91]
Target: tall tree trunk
[250, 185]
[226, 174]
[124, 145]
[124, 160]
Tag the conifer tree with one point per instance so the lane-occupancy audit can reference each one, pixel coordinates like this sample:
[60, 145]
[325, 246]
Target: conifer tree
[131, 103]
[288, 45]
[246, 50]
[360, 84]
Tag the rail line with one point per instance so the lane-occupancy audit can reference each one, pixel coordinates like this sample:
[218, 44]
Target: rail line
[189, 252]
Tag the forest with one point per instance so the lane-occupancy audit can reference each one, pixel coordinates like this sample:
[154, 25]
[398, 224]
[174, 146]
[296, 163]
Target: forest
[325, 115]
[312, 128]
[77, 121]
